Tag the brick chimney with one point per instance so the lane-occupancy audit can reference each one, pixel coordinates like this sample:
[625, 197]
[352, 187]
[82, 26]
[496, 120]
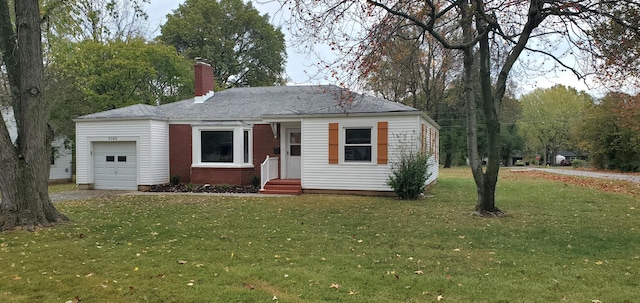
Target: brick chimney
[203, 80]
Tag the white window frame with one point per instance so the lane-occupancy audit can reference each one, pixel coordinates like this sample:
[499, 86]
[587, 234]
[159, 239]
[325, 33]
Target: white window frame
[238, 147]
[374, 143]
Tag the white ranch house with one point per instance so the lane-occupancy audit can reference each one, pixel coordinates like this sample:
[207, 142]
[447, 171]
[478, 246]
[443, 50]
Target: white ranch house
[321, 138]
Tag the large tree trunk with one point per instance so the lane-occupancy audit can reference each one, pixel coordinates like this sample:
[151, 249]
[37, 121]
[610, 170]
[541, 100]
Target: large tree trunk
[485, 180]
[448, 159]
[484, 186]
[490, 107]
[24, 167]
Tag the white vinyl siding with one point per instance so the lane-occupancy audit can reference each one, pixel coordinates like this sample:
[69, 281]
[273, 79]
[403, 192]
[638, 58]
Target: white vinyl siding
[150, 136]
[317, 174]
[61, 167]
[432, 137]
[159, 153]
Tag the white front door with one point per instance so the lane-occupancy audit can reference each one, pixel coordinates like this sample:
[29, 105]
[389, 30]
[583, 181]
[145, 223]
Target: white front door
[293, 154]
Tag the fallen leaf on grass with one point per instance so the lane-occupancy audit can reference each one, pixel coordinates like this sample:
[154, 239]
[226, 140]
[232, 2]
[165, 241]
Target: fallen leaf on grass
[334, 285]
[440, 297]
[75, 300]
[418, 272]
[249, 286]
[353, 293]
[182, 262]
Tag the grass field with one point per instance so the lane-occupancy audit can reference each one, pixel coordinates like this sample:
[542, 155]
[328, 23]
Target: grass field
[559, 243]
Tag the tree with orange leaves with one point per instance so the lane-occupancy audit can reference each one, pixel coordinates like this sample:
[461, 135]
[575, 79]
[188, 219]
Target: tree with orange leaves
[610, 132]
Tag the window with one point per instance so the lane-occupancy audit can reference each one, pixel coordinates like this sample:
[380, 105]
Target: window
[228, 146]
[357, 145]
[111, 158]
[246, 146]
[295, 144]
[122, 158]
[216, 146]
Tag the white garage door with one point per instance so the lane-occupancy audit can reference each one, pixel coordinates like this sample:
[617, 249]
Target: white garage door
[114, 165]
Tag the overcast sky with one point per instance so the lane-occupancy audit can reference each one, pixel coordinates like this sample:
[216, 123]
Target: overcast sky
[300, 66]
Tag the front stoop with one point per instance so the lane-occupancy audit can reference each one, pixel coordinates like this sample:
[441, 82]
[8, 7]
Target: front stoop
[283, 187]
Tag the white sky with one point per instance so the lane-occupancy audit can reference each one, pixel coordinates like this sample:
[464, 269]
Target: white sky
[302, 68]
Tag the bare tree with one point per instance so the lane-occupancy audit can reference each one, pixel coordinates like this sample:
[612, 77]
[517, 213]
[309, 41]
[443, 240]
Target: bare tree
[491, 37]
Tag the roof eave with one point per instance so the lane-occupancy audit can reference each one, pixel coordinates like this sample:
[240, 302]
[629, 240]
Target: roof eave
[345, 114]
[103, 119]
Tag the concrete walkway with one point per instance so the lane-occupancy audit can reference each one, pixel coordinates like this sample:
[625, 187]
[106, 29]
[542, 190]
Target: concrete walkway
[591, 174]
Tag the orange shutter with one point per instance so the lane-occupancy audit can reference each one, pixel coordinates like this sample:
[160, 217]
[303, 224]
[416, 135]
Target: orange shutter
[383, 142]
[432, 145]
[423, 139]
[333, 143]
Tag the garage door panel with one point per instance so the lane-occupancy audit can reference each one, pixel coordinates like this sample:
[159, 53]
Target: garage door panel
[115, 165]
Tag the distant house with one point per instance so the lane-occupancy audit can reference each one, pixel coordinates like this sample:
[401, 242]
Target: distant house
[61, 157]
[571, 155]
[320, 138]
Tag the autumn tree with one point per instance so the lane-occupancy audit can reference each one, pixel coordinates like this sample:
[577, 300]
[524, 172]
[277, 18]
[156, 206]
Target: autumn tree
[617, 47]
[416, 73]
[549, 117]
[24, 165]
[490, 36]
[610, 132]
[243, 47]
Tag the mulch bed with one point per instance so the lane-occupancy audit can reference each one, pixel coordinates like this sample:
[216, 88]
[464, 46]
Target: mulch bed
[186, 188]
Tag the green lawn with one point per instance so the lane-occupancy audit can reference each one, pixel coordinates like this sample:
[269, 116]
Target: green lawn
[559, 243]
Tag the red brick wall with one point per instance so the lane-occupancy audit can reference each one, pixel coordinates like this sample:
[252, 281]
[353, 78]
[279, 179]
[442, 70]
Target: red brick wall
[180, 151]
[263, 145]
[231, 176]
[180, 146]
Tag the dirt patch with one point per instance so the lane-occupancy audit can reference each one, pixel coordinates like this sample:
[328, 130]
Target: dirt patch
[222, 189]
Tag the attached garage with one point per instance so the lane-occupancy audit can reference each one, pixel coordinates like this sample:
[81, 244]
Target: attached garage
[123, 152]
[115, 165]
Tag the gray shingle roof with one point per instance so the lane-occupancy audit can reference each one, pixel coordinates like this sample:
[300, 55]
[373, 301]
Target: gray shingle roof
[257, 102]
[129, 112]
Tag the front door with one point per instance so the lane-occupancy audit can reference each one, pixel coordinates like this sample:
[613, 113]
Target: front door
[294, 149]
